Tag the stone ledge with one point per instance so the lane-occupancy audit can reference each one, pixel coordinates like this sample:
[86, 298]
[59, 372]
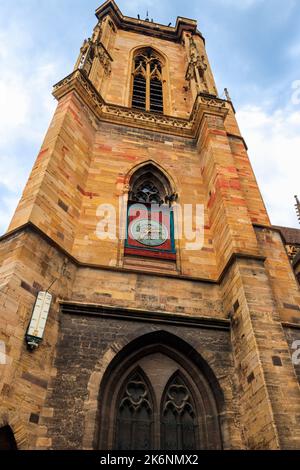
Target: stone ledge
[295, 326]
[106, 311]
[79, 83]
[30, 227]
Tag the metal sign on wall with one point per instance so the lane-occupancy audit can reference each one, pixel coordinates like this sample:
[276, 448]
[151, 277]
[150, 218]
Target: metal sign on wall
[38, 320]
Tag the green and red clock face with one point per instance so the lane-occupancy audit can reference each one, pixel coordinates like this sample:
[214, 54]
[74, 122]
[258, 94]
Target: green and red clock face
[150, 232]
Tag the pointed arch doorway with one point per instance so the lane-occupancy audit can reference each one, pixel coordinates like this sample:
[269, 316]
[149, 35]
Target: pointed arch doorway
[158, 393]
[7, 439]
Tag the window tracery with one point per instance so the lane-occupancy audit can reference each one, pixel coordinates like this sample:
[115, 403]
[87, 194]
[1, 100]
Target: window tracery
[147, 91]
[147, 193]
[178, 419]
[150, 218]
[135, 415]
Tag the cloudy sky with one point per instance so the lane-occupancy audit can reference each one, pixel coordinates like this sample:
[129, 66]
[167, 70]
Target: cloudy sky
[254, 49]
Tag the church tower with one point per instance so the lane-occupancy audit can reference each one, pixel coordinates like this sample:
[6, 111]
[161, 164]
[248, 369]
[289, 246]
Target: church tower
[146, 302]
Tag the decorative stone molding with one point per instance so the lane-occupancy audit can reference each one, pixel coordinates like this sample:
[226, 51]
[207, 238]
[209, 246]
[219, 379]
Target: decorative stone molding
[104, 58]
[204, 104]
[292, 251]
[29, 227]
[197, 68]
[83, 54]
[121, 113]
[97, 34]
[90, 49]
[91, 404]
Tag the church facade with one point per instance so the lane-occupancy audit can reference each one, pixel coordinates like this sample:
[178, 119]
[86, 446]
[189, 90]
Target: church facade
[150, 339]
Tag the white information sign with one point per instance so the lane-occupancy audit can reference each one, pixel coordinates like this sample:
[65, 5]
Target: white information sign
[39, 315]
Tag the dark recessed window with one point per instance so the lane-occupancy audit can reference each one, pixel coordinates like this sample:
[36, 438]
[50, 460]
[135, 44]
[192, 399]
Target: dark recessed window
[147, 92]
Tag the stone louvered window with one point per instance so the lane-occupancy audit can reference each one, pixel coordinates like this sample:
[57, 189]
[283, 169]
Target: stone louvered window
[147, 91]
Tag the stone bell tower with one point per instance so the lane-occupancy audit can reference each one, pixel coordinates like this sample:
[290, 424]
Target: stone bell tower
[100, 332]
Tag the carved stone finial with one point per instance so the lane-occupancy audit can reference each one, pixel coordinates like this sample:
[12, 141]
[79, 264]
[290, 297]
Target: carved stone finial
[83, 53]
[193, 50]
[97, 34]
[171, 198]
[201, 64]
[84, 46]
[197, 67]
[227, 94]
[297, 205]
[104, 58]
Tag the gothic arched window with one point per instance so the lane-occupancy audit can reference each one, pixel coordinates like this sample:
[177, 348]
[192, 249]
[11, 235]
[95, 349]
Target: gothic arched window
[153, 396]
[149, 186]
[178, 417]
[150, 218]
[134, 426]
[147, 91]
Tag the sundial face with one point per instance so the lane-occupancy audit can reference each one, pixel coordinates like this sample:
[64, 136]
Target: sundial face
[149, 232]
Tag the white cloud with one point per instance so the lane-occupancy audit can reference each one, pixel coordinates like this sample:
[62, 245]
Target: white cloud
[12, 173]
[7, 207]
[15, 104]
[274, 141]
[26, 106]
[23, 99]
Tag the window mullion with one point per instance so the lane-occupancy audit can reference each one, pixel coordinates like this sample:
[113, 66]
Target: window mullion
[148, 80]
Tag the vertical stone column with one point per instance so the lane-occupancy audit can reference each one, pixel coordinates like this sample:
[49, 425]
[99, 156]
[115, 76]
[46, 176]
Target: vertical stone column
[108, 30]
[229, 219]
[53, 195]
[269, 393]
[28, 264]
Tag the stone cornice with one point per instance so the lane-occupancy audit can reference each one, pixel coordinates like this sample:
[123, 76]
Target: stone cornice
[295, 326]
[204, 104]
[135, 314]
[29, 227]
[171, 33]
[238, 137]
